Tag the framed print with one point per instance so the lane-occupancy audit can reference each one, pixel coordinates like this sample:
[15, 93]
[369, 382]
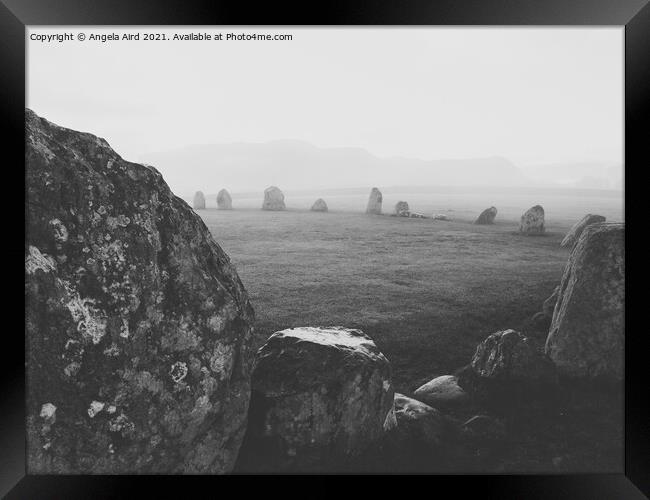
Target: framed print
[363, 241]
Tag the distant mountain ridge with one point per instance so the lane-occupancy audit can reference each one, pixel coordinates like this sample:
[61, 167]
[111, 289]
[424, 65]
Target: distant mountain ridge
[299, 165]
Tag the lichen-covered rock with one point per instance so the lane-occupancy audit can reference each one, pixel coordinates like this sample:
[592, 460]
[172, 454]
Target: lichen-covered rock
[402, 209]
[199, 201]
[273, 199]
[532, 221]
[138, 327]
[574, 233]
[319, 206]
[511, 357]
[586, 337]
[487, 216]
[374, 202]
[441, 392]
[320, 397]
[224, 200]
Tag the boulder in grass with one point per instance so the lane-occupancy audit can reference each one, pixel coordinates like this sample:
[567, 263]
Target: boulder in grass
[273, 199]
[487, 216]
[374, 202]
[321, 396]
[441, 392]
[418, 423]
[532, 221]
[441, 217]
[224, 200]
[139, 331]
[402, 209]
[587, 333]
[199, 201]
[574, 233]
[549, 304]
[319, 206]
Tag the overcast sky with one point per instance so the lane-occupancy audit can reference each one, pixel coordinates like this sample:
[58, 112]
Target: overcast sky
[532, 95]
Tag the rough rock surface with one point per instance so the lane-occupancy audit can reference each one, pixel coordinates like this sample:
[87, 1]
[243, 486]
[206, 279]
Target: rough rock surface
[441, 392]
[138, 327]
[510, 356]
[402, 209]
[418, 423]
[273, 199]
[532, 221]
[441, 217]
[549, 304]
[586, 337]
[574, 233]
[199, 200]
[319, 206]
[320, 396]
[224, 200]
[487, 216]
[374, 202]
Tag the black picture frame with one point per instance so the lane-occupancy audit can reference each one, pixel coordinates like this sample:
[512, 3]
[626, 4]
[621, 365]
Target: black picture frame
[634, 15]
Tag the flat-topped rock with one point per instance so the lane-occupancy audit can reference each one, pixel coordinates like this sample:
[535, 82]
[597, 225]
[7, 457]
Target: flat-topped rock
[374, 202]
[587, 333]
[273, 199]
[487, 216]
[319, 206]
[574, 233]
[532, 221]
[198, 203]
[320, 396]
[224, 200]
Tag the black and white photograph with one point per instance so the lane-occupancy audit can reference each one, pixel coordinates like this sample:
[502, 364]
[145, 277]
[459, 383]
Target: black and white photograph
[325, 250]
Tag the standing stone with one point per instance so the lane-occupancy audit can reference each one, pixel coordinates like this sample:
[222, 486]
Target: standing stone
[320, 396]
[402, 209]
[199, 201]
[374, 202]
[532, 222]
[224, 201]
[487, 216]
[319, 206]
[139, 331]
[587, 333]
[573, 235]
[273, 199]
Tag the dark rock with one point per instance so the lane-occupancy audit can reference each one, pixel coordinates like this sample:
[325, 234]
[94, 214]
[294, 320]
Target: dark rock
[138, 327]
[532, 222]
[441, 392]
[273, 199]
[320, 397]
[549, 304]
[418, 423]
[199, 201]
[319, 206]
[374, 202]
[586, 337]
[484, 428]
[487, 216]
[574, 233]
[402, 209]
[224, 201]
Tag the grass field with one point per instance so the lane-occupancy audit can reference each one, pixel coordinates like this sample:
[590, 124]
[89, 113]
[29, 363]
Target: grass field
[426, 291]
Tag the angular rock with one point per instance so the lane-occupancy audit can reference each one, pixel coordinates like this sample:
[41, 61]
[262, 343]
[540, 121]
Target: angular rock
[199, 201]
[442, 392]
[532, 221]
[574, 233]
[224, 201]
[374, 202]
[418, 423]
[487, 216]
[319, 206]
[509, 356]
[402, 209]
[441, 217]
[320, 397]
[138, 327]
[586, 337]
[273, 199]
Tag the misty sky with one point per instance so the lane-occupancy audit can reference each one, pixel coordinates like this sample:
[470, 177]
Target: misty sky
[532, 95]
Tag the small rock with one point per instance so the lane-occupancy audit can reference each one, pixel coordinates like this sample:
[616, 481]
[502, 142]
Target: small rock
[441, 392]
[319, 206]
[441, 217]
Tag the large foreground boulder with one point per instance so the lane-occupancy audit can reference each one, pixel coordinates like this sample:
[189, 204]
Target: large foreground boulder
[273, 199]
[319, 206]
[199, 201]
[374, 202]
[320, 397]
[418, 424]
[574, 233]
[224, 200]
[487, 216]
[532, 221]
[138, 327]
[587, 333]
[402, 209]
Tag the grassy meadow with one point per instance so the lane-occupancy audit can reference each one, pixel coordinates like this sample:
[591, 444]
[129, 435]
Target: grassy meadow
[426, 291]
